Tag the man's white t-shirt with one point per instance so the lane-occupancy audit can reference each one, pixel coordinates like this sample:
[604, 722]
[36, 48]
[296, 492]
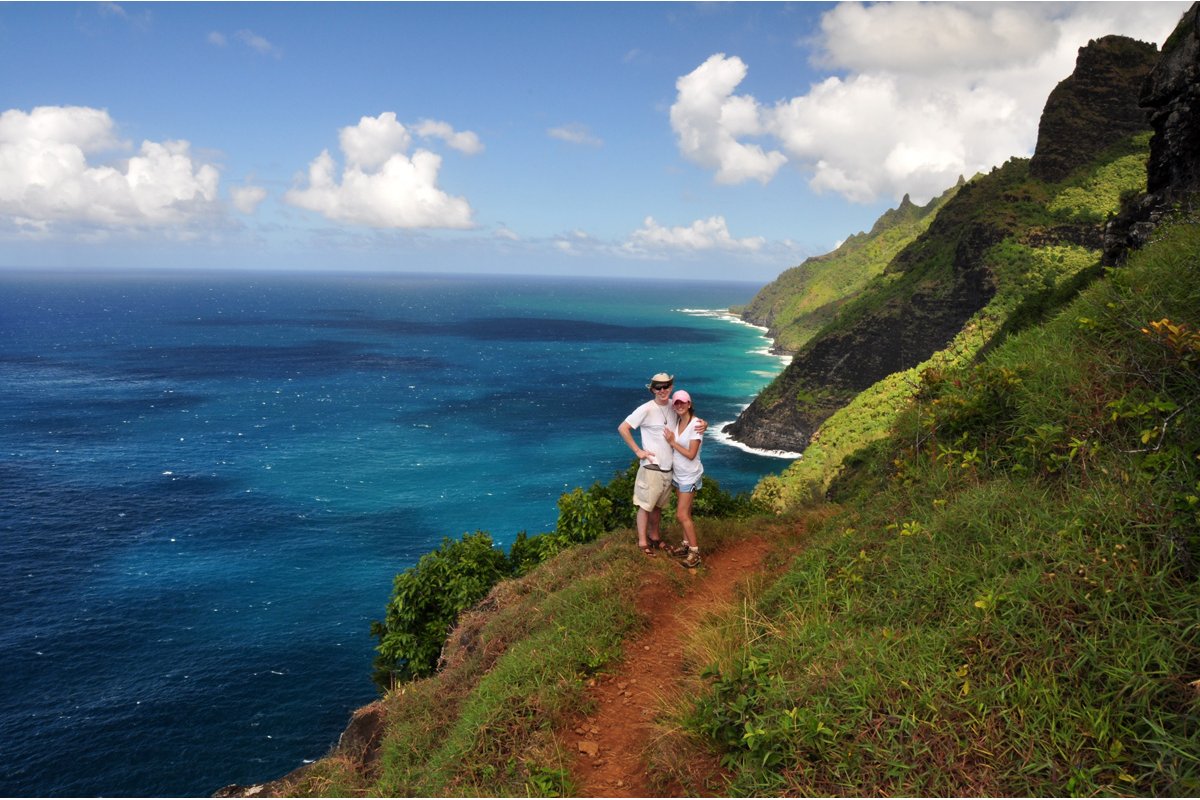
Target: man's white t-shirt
[650, 419]
[688, 470]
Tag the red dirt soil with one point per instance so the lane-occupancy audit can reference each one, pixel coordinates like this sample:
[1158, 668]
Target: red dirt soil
[610, 743]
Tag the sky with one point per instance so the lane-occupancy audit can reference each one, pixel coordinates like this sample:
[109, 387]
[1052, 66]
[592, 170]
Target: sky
[668, 140]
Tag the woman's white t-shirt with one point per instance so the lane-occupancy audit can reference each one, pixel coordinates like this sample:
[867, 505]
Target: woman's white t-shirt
[688, 470]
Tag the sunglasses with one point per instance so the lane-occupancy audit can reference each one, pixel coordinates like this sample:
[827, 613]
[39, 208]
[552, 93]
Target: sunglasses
[658, 387]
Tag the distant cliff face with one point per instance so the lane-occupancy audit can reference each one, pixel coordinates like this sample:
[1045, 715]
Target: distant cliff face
[796, 305]
[1170, 96]
[941, 279]
[902, 331]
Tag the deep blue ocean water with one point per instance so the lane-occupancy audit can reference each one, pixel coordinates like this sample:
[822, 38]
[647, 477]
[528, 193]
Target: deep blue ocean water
[208, 481]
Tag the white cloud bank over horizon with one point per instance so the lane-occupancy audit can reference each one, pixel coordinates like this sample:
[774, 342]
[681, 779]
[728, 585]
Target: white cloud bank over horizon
[927, 92]
[381, 185]
[246, 199]
[47, 179]
[702, 235]
[703, 239]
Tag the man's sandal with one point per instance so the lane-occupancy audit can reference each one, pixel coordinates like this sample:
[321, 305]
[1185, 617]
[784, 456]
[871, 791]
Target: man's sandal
[648, 551]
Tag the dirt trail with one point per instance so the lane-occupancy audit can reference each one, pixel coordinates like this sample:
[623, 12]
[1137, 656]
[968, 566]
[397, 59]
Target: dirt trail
[609, 744]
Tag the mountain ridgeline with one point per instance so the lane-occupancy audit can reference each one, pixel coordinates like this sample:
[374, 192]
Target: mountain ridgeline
[947, 279]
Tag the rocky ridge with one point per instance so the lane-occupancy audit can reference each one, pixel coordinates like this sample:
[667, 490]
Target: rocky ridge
[797, 304]
[1170, 97]
[932, 287]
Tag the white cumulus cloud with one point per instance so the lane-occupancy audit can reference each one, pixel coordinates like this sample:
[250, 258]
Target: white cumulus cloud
[701, 235]
[50, 173]
[925, 92]
[709, 121]
[380, 184]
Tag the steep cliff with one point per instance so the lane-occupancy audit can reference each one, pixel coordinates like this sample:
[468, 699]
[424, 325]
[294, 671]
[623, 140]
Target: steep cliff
[796, 305]
[1093, 109]
[1170, 96]
[1000, 232]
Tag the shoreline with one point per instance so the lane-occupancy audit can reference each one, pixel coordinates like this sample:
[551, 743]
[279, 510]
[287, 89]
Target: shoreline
[717, 430]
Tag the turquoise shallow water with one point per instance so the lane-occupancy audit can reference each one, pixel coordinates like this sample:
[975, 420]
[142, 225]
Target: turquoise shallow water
[210, 480]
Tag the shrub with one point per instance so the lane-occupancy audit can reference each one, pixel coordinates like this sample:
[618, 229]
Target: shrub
[426, 600]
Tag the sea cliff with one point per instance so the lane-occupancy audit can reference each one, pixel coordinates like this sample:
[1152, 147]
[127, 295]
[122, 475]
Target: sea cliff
[944, 276]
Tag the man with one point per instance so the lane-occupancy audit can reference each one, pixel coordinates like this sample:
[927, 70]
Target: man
[652, 487]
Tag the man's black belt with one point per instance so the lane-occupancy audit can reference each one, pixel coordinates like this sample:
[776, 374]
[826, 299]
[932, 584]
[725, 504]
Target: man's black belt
[657, 469]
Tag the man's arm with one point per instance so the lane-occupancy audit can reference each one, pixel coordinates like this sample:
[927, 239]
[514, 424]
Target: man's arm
[626, 431]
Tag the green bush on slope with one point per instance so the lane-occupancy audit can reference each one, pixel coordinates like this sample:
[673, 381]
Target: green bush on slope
[1006, 603]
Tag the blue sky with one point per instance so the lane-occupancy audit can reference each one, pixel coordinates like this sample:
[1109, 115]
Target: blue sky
[654, 139]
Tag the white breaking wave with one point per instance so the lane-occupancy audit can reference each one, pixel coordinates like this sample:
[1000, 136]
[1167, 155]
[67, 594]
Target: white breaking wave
[717, 433]
[728, 316]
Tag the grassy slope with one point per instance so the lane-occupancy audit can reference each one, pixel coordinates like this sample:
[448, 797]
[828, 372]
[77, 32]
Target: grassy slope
[514, 672]
[1032, 276]
[999, 602]
[1005, 602]
[1001, 614]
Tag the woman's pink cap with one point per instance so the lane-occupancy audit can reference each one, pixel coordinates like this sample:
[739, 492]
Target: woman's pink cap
[681, 397]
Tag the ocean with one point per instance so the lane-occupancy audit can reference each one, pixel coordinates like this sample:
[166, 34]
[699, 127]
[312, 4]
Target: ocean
[209, 481]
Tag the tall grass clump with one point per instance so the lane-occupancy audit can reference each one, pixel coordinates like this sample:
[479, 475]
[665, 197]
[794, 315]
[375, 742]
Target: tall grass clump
[1006, 601]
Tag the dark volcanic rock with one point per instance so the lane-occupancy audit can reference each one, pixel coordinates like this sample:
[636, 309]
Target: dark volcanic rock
[1170, 96]
[358, 745]
[1093, 109]
[825, 375]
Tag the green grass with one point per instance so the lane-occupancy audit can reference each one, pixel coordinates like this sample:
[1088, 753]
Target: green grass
[1093, 196]
[512, 675]
[1031, 281]
[996, 608]
[999, 600]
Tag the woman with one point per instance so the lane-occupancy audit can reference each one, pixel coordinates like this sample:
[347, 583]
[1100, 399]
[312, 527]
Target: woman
[685, 440]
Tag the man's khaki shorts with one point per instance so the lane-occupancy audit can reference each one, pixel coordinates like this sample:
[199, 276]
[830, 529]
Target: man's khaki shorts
[651, 489]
